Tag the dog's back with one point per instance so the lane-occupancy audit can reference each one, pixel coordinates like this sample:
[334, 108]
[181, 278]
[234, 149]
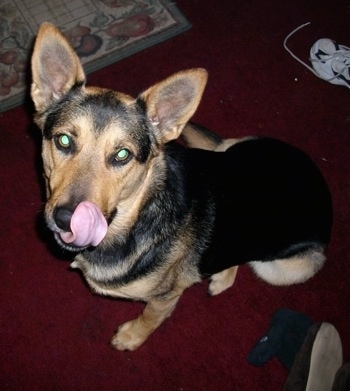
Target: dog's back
[271, 202]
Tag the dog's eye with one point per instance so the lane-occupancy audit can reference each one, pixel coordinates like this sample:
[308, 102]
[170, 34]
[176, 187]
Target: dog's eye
[63, 141]
[122, 155]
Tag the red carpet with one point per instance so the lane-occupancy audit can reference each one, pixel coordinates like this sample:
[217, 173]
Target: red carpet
[55, 333]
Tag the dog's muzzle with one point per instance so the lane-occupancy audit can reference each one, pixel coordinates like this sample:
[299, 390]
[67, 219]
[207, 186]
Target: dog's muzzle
[62, 217]
[82, 227]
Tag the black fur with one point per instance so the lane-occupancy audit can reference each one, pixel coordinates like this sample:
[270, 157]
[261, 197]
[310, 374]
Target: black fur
[271, 201]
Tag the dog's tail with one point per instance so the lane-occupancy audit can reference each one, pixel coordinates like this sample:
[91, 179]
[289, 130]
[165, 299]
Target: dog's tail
[289, 271]
[196, 136]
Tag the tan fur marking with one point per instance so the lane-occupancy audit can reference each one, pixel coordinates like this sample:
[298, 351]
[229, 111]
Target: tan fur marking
[175, 274]
[222, 281]
[195, 138]
[130, 206]
[132, 334]
[227, 143]
[289, 271]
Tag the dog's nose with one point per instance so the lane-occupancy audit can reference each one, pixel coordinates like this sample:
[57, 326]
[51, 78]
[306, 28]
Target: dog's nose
[62, 216]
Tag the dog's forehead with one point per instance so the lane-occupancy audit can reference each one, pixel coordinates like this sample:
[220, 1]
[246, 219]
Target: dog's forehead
[105, 107]
[100, 107]
[102, 113]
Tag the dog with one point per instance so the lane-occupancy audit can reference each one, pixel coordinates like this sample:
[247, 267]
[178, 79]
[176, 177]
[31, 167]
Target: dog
[149, 216]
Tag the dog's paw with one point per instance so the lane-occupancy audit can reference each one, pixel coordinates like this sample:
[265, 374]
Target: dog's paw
[129, 336]
[221, 281]
[216, 287]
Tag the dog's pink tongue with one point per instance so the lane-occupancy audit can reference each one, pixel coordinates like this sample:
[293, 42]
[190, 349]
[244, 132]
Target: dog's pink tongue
[88, 226]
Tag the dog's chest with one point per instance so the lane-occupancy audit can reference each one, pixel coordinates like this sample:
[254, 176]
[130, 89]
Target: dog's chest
[106, 280]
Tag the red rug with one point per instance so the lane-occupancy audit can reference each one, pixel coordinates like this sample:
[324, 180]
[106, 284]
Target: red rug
[55, 333]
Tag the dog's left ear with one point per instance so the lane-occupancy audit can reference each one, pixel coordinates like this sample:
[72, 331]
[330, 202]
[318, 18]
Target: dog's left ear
[171, 103]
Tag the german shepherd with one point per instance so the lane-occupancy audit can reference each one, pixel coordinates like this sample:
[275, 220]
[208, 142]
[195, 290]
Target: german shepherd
[149, 216]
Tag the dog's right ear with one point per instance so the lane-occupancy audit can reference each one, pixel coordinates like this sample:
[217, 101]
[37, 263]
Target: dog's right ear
[56, 67]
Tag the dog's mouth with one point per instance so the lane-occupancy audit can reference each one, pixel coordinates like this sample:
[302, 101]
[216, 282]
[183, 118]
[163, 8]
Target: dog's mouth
[83, 228]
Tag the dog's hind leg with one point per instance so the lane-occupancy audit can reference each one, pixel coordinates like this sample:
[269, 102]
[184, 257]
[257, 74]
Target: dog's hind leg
[132, 334]
[222, 281]
[196, 136]
[292, 270]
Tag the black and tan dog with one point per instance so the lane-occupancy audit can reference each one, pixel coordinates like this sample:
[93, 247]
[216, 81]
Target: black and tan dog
[150, 217]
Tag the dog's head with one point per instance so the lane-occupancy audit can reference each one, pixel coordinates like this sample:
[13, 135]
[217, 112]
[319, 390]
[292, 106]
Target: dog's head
[101, 148]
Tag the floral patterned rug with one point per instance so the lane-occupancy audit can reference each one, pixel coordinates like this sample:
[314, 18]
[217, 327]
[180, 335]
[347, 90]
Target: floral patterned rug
[101, 31]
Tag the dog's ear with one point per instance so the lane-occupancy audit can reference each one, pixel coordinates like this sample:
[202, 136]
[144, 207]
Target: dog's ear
[55, 67]
[171, 103]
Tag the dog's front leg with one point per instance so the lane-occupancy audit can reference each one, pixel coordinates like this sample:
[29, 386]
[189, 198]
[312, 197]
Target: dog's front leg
[132, 334]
